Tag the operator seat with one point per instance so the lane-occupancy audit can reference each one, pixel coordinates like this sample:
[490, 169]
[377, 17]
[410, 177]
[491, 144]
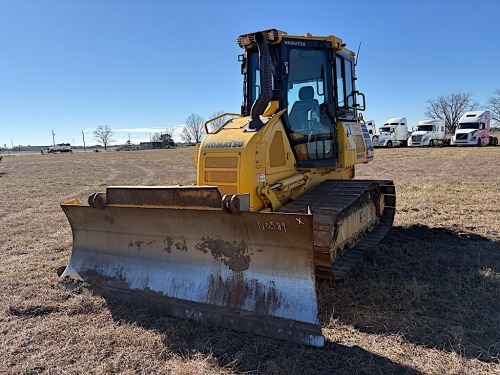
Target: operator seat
[304, 118]
[299, 116]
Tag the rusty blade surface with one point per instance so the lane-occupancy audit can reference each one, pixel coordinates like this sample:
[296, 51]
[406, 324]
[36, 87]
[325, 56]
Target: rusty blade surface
[250, 271]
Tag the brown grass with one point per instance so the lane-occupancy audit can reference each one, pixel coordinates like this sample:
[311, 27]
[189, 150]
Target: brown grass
[426, 301]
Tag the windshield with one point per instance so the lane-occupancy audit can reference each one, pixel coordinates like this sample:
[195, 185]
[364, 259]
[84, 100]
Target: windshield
[386, 129]
[424, 128]
[468, 125]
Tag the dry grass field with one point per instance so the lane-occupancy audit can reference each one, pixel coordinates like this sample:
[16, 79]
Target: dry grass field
[427, 300]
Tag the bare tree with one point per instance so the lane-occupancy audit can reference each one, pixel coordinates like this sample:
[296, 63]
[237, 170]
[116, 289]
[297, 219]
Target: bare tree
[104, 135]
[167, 138]
[185, 136]
[156, 137]
[168, 134]
[450, 108]
[494, 106]
[194, 129]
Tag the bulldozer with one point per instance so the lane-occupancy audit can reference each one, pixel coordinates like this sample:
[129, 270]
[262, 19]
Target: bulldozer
[275, 206]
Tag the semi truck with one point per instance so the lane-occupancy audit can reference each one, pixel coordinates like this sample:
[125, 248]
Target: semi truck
[428, 133]
[370, 126]
[474, 130]
[393, 133]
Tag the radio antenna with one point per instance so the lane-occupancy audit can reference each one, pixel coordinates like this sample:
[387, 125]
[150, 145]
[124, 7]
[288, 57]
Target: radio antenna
[357, 54]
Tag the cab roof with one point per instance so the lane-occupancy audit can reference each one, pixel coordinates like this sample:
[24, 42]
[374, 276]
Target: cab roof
[274, 36]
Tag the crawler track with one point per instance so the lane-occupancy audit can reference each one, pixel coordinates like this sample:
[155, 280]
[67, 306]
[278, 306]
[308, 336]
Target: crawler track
[333, 201]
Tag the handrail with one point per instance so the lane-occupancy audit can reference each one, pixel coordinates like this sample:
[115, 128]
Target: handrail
[218, 117]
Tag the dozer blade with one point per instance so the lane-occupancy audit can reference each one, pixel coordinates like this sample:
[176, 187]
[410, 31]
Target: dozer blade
[252, 272]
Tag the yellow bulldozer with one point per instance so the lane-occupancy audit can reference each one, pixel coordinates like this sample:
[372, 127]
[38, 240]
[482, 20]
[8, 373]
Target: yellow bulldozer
[275, 205]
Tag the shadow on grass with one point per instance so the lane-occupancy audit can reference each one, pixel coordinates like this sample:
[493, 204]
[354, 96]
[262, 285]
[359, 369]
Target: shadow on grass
[251, 354]
[435, 287]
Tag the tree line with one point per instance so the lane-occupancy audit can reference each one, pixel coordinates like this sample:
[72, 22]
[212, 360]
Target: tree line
[449, 108]
[192, 132]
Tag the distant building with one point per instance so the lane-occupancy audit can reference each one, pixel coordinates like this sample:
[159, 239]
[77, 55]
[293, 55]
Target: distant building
[166, 142]
[150, 145]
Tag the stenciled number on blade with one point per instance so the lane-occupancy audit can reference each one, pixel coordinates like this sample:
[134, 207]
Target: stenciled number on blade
[272, 225]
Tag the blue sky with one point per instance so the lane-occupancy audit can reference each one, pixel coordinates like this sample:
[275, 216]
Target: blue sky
[144, 66]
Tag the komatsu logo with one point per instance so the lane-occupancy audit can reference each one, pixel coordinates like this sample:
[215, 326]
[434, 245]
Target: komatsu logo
[295, 43]
[229, 144]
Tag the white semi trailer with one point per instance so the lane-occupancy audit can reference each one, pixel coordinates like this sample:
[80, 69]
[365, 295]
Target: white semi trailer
[393, 133]
[428, 133]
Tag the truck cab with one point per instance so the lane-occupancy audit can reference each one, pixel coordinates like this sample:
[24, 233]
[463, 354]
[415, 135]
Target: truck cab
[394, 133]
[428, 133]
[473, 129]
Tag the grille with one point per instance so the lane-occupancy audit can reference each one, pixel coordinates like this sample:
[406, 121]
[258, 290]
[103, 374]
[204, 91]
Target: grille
[222, 171]
[218, 162]
[221, 176]
[416, 138]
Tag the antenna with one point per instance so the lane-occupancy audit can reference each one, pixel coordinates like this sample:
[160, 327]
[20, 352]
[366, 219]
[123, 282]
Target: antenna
[357, 54]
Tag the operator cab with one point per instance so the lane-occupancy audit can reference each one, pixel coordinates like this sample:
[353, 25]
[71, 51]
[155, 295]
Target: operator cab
[312, 79]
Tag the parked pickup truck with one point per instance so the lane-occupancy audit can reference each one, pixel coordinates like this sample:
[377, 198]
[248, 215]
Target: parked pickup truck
[60, 147]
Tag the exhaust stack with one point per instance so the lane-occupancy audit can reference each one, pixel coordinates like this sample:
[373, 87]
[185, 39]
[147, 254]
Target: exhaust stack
[266, 84]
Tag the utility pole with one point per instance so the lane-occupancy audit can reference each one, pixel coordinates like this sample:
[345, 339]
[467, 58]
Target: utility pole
[53, 139]
[83, 136]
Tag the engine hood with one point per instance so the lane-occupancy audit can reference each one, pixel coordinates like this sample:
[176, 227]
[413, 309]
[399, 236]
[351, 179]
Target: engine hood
[383, 136]
[420, 132]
